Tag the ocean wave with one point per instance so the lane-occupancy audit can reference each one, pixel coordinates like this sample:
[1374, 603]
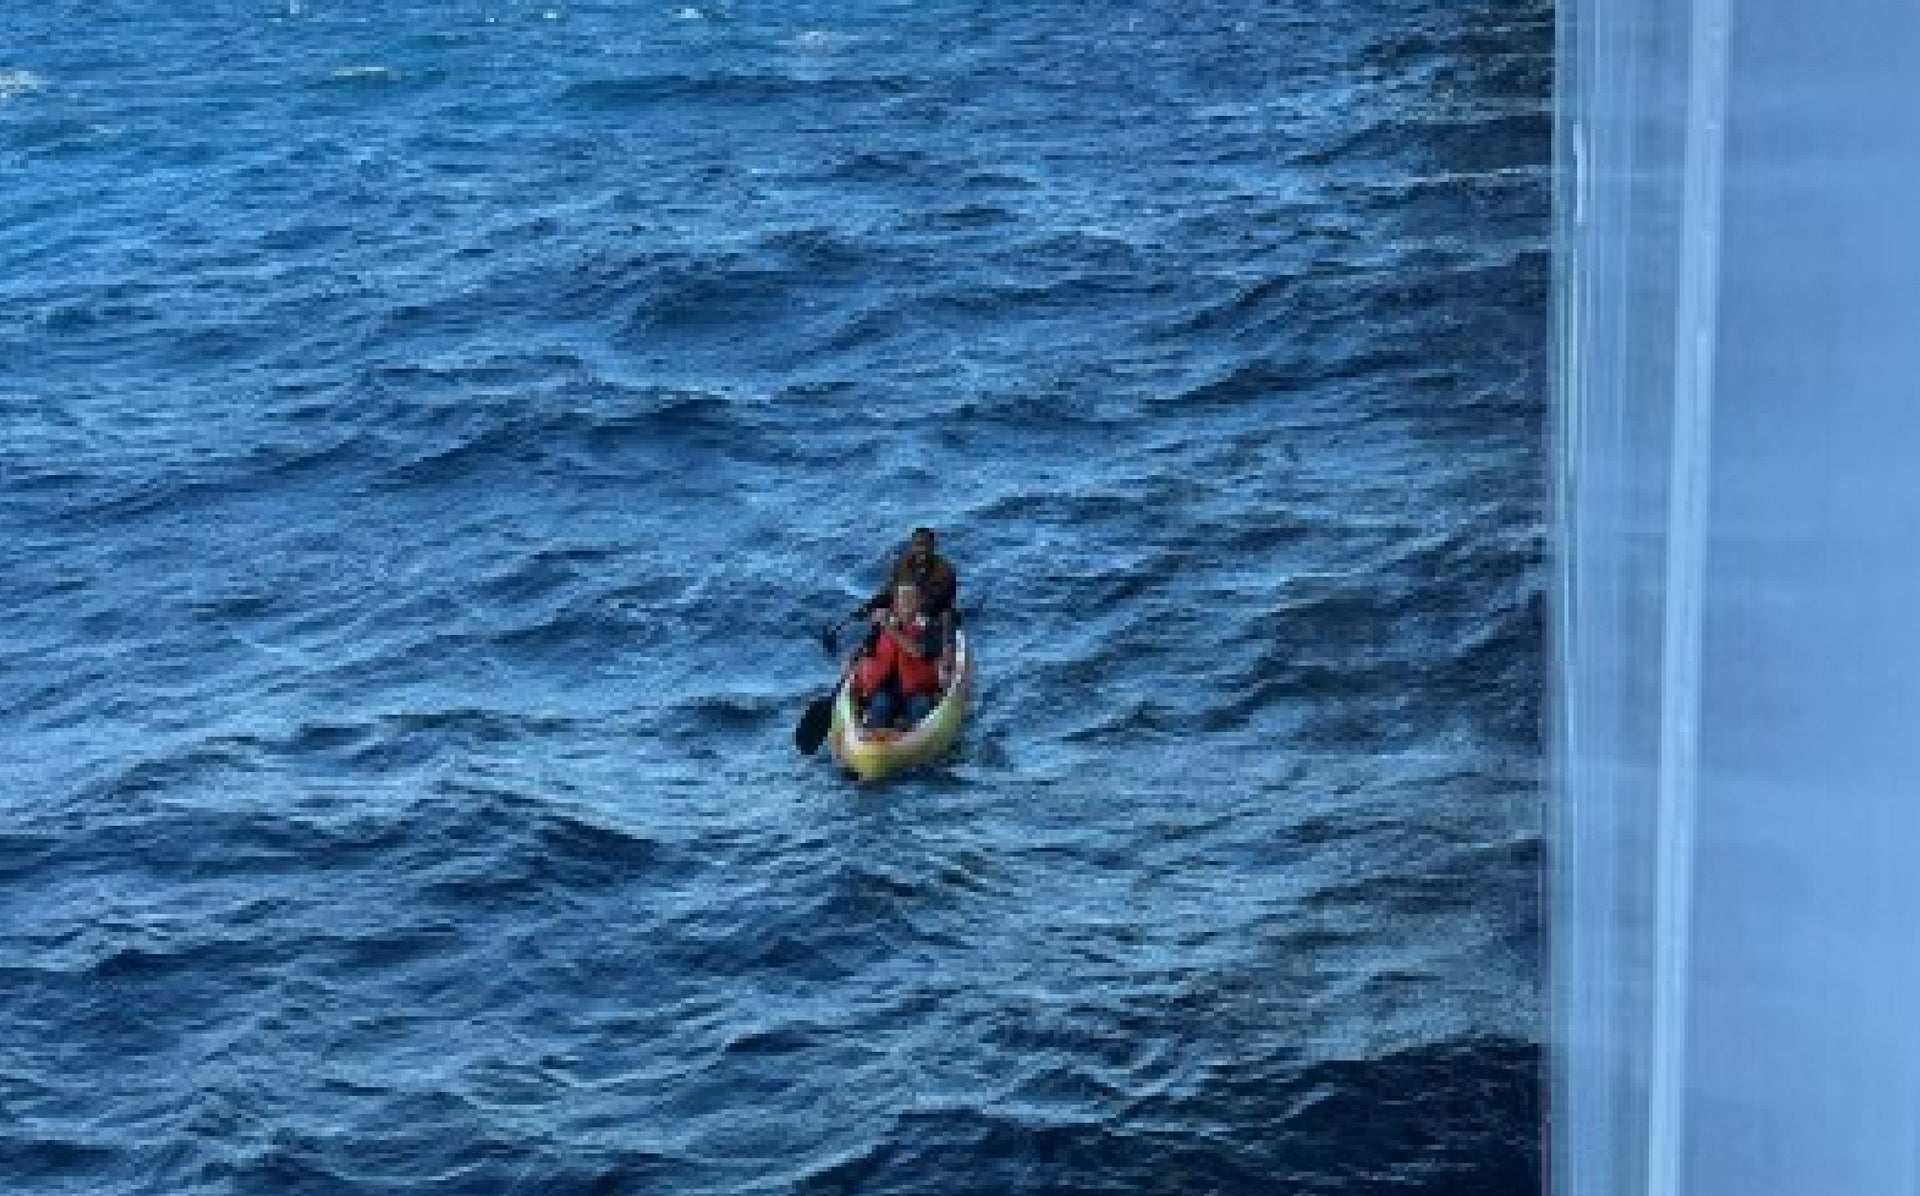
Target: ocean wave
[386, 1144]
[964, 1151]
[193, 485]
[370, 73]
[820, 41]
[1419, 110]
[646, 424]
[723, 89]
[49, 1162]
[1371, 1122]
[26, 853]
[820, 250]
[1248, 307]
[548, 571]
[512, 851]
[16, 82]
[962, 218]
[705, 301]
[890, 166]
[698, 718]
[827, 927]
[1064, 297]
[648, 297]
[1243, 383]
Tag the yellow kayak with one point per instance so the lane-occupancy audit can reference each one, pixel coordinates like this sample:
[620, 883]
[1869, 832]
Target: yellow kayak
[878, 754]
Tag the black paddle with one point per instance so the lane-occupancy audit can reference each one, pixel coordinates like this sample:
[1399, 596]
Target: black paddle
[816, 722]
[818, 719]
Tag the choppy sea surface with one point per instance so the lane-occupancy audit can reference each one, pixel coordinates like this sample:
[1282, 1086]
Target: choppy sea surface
[432, 436]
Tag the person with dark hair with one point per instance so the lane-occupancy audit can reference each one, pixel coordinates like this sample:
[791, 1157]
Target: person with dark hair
[926, 571]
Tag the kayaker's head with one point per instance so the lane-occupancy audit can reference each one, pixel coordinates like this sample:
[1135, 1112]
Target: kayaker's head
[906, 601]
[920, 546]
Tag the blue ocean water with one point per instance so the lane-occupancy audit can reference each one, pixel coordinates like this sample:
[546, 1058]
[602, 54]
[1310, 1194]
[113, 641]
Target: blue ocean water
[432, 436]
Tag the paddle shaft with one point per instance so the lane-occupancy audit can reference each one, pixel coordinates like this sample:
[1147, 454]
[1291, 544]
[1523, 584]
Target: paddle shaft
[830, 638]
[817, 721]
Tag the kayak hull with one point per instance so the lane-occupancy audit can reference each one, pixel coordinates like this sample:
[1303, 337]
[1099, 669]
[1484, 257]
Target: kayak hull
[877, 755]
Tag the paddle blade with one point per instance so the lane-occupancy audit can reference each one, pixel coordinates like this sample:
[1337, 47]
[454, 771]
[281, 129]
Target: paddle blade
[814, 724]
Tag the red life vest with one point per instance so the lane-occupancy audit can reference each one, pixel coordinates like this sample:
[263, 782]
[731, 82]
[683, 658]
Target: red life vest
[917, 676]
[914, 676]
[871, 673]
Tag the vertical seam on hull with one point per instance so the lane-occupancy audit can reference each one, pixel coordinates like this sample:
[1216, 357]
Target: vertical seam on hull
[1696, 339]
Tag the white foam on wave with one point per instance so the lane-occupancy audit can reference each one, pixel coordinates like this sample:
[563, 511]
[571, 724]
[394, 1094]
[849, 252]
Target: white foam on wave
[370, 72]
[17, 82]
[819, 41]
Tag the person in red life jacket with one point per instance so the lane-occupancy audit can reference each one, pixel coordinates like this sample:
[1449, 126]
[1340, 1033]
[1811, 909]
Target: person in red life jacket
[903, 672]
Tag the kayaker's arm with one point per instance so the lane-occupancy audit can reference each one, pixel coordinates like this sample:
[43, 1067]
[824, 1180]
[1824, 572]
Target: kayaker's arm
[914, 646]
[942, 588]
[883, 597]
